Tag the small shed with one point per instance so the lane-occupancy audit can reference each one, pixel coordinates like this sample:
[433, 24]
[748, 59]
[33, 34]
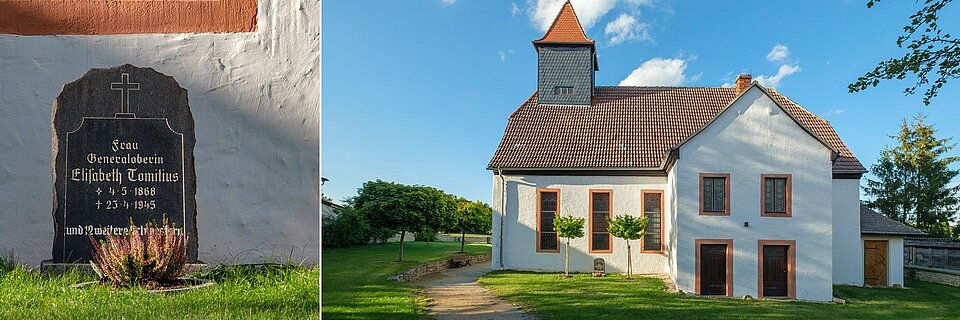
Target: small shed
[883, 248]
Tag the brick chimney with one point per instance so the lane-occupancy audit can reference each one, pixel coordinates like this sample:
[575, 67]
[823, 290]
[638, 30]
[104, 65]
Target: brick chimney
[743, 82]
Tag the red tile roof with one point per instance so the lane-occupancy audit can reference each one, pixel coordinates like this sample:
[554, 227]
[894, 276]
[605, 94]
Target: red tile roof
[565, 28]
[631, 128]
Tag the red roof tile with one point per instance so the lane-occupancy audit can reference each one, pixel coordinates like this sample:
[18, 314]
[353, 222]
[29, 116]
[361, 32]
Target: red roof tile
[630, 128]
[565, 28]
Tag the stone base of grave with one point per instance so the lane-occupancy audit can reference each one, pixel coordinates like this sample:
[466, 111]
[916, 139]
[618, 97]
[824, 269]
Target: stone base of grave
[48, 267]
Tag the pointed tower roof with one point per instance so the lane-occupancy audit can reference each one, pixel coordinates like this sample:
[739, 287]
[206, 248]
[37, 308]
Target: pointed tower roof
[565, 28]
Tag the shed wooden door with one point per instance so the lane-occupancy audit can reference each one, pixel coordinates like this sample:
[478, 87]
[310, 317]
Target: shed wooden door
[713, 269]
[875, 262]
[775, 271]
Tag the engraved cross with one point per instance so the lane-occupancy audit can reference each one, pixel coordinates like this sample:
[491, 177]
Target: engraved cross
[126, 86]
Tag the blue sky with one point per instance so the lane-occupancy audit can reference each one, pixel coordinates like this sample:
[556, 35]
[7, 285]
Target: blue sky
[419, 92]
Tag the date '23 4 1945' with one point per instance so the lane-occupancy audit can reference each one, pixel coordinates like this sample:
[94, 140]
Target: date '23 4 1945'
[145, 204]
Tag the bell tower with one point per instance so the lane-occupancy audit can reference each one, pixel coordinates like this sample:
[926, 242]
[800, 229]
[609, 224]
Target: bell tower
[567, 62]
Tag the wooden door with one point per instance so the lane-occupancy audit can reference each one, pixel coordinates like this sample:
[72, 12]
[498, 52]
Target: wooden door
[713, 269]
[875, 262]
[775, 271]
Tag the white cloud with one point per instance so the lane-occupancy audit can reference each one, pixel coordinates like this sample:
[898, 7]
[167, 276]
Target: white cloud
[505, 54]
[514, 9]
[626, 28]
[696, 77]
[774, 80]
[779, 53]
[639, 2]
[658, 72]
[448, 2]
[835, 112]
[543, 12]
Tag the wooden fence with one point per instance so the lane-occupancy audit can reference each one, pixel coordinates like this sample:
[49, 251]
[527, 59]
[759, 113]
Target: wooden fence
[935, 253]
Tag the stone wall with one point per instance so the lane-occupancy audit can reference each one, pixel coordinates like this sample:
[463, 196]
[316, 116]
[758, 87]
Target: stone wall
[434, 267]
[450, 238]
[934, 275]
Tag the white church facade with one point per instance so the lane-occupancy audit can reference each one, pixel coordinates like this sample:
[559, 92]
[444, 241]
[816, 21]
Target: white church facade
[747, 192]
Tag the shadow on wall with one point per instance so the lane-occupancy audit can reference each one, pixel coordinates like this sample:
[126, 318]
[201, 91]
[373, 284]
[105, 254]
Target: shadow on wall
[581, 260]
[255, 101]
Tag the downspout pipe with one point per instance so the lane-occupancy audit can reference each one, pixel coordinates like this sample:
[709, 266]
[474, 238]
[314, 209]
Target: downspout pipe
[503, 214]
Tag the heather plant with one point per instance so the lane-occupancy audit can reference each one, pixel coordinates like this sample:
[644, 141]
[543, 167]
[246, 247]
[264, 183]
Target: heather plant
[148, 256]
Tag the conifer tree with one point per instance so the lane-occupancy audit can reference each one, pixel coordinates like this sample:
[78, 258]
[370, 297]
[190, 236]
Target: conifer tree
[912, 179]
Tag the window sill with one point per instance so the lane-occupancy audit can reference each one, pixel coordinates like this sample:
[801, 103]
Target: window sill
[776, 214]
[715, 214]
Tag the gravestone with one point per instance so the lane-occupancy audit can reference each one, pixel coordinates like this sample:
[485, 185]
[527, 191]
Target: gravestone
[599, 267]
[122, 146]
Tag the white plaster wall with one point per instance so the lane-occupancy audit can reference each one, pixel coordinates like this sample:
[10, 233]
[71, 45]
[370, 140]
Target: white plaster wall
[496, 233]
[847, 247]
[670, 222]
[255, 98]
[894, 258]
[753, 137]
[520, 225]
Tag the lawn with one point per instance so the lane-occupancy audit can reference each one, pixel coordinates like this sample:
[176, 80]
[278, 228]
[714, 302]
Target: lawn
[477, 235]
[355, 284]
[286, 294]
[613, 297]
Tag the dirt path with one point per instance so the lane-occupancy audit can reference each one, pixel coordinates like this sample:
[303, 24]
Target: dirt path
[455, 295]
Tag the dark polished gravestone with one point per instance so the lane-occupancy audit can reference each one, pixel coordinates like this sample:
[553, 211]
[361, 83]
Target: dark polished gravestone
[123, 141]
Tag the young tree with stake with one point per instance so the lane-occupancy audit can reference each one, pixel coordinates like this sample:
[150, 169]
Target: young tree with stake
[567, 227]
[628, 228]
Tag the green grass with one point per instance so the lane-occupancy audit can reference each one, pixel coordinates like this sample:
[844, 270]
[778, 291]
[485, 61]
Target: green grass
[283, 294]
[613, 297]
[478, 235]
[355, 284]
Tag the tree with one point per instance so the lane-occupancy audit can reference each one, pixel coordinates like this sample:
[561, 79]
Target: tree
[567, 227]
[473, 216]
[930, 50]
[628, 228]
[402, 208]
[348, 228]
[913, 178]
[889, 192]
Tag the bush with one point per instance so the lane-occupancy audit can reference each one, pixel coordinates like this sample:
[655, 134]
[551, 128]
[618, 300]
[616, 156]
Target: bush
[427, 236]
[148, 256]
[347, 229]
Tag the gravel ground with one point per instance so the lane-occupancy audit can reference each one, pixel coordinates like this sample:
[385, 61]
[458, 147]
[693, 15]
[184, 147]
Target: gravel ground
[455, 295]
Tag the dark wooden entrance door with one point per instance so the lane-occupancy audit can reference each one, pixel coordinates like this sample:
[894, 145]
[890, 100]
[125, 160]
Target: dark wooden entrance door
[775, 271]
[713, 269]
[875, 262]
